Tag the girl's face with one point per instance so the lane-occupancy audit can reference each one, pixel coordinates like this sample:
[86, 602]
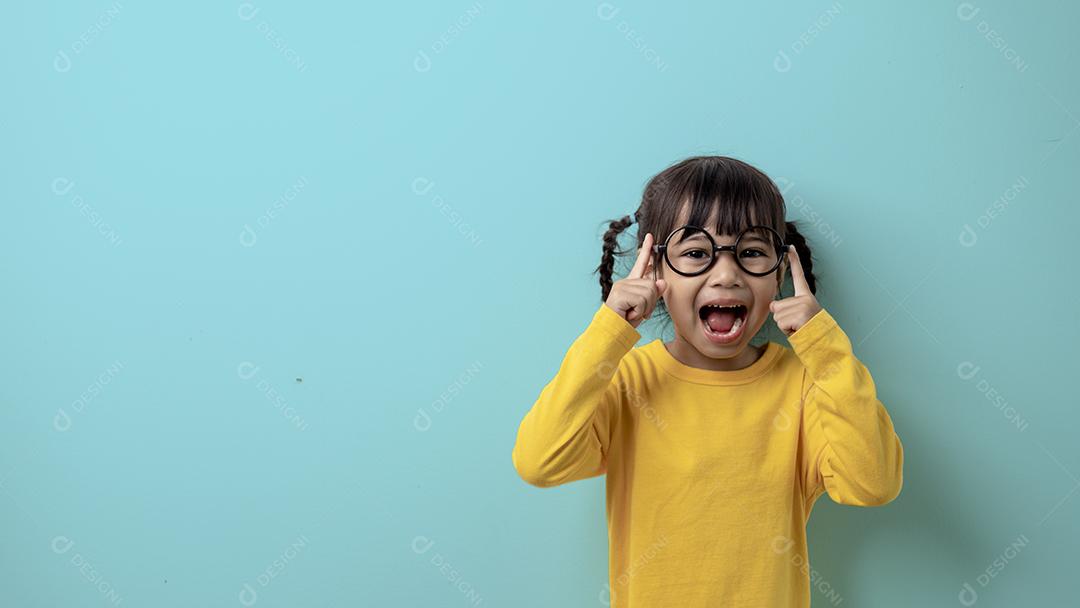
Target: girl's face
[686, 299]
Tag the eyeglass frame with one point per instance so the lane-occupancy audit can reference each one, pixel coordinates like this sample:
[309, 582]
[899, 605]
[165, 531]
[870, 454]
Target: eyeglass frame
[718, 249]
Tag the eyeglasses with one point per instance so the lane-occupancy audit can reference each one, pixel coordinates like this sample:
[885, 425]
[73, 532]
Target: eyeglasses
[691, 250]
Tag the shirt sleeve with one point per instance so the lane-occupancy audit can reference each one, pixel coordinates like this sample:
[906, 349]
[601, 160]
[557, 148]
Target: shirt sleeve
[565, 436]
[850, 448]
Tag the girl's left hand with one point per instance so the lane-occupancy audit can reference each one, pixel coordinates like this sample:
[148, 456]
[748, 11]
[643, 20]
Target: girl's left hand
[792, 313]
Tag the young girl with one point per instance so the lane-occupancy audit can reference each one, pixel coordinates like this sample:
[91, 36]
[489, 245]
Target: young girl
[715, 450]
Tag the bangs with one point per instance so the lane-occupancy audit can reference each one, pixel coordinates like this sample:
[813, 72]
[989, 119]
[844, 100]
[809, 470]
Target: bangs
[729, 192]
[736, 200]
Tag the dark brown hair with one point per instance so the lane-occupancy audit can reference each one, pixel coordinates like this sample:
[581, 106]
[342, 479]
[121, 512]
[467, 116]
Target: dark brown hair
[744, 195]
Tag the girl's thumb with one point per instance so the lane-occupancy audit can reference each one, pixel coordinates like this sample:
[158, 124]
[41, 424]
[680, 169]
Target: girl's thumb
[661, 286]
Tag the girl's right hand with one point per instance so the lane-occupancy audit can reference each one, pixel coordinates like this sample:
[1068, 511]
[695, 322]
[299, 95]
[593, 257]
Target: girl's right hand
[635, 296]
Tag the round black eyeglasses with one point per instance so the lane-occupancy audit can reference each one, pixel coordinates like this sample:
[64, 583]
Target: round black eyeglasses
[691, 250]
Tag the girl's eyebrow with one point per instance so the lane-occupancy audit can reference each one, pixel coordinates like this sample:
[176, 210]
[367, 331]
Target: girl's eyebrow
[733, 236]
[749, 239]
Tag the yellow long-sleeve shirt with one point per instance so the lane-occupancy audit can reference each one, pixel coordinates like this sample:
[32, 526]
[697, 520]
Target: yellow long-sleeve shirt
[711, 475]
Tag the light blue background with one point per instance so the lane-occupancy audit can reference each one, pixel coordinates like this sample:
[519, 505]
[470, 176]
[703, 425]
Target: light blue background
[422, 186]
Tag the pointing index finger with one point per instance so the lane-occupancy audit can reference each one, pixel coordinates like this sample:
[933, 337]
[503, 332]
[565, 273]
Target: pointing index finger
[798, 279]
[638, 271]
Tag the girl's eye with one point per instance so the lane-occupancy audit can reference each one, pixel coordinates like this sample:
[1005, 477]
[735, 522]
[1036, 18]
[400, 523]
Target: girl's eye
[752, 253]
[700, 253]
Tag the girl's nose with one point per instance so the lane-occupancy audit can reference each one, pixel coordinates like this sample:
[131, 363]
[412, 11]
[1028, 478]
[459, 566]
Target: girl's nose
[725, 270]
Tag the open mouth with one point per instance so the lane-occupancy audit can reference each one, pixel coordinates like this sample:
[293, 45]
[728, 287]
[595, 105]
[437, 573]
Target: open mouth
[723, 323]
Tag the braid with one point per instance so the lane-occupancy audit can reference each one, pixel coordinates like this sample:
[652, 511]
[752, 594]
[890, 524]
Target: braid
[794, 237]
[607, 260]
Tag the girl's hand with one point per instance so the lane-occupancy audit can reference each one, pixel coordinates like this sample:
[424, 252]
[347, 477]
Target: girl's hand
[635, 296]
[792, 313]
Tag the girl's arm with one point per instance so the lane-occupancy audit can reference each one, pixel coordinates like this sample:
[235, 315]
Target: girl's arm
[851, 449]
[565, 436]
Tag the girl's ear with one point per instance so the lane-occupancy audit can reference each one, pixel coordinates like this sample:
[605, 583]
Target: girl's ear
[651, 269]
[781, 274]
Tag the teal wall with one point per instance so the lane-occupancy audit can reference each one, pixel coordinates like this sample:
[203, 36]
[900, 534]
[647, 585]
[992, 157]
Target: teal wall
[281, 280]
